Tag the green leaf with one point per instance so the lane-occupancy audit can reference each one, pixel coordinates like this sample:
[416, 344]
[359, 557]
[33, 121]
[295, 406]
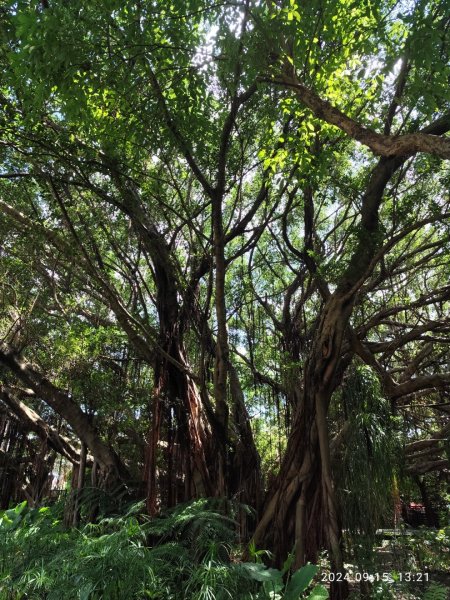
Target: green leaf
[300, 581]
[288, 563]
[20, 507]
[318, 592]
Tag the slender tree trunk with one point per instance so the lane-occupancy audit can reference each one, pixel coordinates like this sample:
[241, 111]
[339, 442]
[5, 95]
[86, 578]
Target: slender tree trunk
[79, 485]
[222, 350]
[245, 481]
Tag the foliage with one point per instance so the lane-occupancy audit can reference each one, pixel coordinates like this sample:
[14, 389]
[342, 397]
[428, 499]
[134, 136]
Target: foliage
[54, 563]
[436, 592]
[112, 559]
[367, 465]
[190, 186]
[429, 549]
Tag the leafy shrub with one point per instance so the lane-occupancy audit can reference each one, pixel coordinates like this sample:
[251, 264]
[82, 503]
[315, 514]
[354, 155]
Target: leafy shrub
[428, 549]
[39, 559]
[436, 592]
[190, 558]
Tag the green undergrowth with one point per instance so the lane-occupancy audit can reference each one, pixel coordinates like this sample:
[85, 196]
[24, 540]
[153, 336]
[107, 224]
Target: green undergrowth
[188, 553]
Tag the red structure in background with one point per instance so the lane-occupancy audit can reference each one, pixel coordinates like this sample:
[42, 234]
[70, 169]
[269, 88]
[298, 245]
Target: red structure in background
[414, 514]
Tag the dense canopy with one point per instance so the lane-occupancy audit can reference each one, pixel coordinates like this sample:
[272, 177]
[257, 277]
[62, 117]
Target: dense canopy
[224, 254]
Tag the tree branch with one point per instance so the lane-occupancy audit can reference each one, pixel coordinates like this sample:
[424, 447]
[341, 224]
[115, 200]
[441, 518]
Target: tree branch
[428, 140]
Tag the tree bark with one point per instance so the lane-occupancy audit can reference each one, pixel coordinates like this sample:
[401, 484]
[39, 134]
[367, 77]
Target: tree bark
[301, 511]
[176, 405]
[245, 481]
[176, 409]
[33, 422]
[80, 485]
[384, 145]
[67, 408]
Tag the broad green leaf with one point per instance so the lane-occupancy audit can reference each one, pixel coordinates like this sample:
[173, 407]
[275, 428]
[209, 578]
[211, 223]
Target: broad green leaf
[300, 581]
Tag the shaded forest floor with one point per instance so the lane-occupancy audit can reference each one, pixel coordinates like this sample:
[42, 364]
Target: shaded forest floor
[192, 553]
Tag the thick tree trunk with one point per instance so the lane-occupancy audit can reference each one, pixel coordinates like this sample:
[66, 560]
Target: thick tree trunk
[42, 464]
[243, 467]
[301, 510]
[302, 513]
[431, 516]
[12, 446]
[179, 439]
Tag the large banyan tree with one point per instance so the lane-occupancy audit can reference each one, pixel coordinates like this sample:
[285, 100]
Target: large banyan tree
[211, 211]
